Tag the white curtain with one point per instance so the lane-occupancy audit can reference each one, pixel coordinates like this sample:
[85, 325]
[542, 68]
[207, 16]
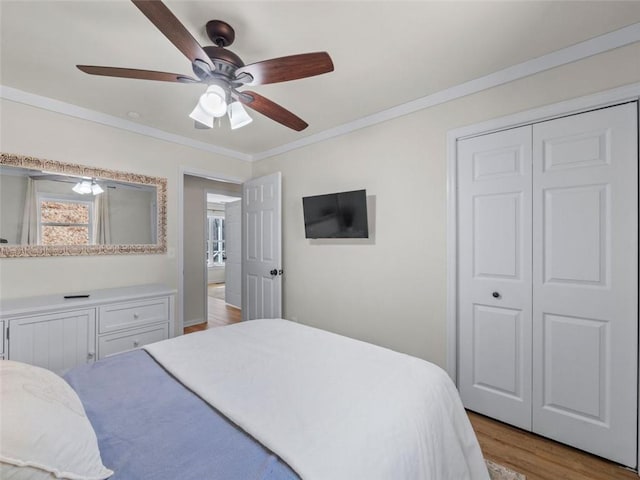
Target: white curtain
[102, 224]
[29, 234]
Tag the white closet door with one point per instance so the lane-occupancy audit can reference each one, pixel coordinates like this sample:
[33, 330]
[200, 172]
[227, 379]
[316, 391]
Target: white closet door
[585, 281]
[494, 231]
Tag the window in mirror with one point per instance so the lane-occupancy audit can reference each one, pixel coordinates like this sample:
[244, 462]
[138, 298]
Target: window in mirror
[65, 222]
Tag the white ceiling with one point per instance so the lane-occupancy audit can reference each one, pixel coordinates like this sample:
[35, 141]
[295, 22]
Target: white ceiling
[385, 54]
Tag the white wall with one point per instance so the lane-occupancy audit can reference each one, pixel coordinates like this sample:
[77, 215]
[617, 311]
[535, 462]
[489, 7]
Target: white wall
[216, 274]
[393, 291]
[27, 130]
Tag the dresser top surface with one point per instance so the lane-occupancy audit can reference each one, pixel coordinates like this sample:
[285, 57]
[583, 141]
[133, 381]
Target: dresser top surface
[17, 306]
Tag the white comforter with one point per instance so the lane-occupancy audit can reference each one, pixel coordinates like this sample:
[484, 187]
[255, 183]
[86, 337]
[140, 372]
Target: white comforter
[330, 406]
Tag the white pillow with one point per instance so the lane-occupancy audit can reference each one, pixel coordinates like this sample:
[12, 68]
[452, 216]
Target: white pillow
[44, 431]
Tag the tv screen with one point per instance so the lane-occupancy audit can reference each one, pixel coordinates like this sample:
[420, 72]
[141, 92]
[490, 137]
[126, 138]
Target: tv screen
[336, 215]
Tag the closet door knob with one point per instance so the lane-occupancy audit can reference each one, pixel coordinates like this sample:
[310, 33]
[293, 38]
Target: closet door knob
[495, 295]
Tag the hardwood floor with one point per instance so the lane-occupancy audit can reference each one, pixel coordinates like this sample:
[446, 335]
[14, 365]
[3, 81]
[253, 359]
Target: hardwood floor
[539, 458]
[220, 313]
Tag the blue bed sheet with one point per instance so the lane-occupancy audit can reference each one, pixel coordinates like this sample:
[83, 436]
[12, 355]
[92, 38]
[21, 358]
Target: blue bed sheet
[149, 426]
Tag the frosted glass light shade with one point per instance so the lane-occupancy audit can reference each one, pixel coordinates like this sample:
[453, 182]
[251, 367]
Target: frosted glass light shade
[238, 116]
[200, 115]
[212, 104]
[214, 101]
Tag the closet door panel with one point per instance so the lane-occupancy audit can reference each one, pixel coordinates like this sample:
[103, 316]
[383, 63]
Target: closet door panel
[585, 281]
[494, 225]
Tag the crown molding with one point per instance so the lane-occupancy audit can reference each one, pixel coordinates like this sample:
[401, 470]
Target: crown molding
[573, 53]
[579, 51]
[76, 111]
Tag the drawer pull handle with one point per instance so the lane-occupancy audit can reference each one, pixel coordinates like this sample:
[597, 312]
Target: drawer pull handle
[136, 316]
[136, 343]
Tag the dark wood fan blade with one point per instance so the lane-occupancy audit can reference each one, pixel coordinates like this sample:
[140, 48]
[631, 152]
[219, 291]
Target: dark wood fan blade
[272, 110]
[288, 68]
[135, 73]
[170, 26]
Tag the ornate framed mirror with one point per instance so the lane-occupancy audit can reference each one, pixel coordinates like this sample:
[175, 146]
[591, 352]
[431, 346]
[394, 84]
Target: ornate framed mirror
[51, 208]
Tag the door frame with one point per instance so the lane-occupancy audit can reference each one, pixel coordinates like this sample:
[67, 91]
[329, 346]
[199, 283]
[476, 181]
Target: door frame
[574, 106]
[195, 172]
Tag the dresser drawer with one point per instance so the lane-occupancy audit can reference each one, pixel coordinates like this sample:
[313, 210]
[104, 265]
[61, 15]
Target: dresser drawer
[130, 340]
[132, 314]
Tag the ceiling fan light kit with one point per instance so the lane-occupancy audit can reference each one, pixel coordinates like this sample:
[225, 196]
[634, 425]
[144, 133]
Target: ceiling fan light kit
[223, 71]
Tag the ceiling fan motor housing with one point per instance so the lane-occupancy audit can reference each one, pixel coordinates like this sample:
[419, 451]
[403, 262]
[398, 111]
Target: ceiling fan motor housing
[225, 62]
[220, 33]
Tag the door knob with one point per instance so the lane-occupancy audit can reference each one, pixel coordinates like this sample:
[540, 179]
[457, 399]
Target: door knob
[274, 272]
[495, 295]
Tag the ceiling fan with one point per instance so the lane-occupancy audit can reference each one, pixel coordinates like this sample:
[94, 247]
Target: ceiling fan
[223, 71]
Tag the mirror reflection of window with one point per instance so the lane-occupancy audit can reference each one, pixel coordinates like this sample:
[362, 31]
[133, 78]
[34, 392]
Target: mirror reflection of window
[216, 254]
[65, 222]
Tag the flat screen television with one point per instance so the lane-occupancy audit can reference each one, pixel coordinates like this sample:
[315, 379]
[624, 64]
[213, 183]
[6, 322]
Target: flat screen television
[336, 215]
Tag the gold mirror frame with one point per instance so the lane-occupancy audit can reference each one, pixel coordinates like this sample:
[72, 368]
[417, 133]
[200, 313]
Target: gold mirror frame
[20, 251]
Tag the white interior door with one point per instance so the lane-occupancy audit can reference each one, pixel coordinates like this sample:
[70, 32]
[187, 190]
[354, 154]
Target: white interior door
[494, 296]
[233, 250]
[261, 248]
[585, 281]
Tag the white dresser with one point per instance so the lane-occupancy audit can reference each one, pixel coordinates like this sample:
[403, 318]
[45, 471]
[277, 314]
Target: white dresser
[57, 333]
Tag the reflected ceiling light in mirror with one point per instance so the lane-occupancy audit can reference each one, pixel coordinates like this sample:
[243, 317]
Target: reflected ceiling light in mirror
[96, 189]
[85, 187]
[82, 187]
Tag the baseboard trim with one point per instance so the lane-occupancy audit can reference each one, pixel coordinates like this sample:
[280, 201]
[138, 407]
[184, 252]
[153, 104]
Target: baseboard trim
[191, 323]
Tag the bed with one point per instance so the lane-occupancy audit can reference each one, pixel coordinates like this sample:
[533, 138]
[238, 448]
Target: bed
[273, 400]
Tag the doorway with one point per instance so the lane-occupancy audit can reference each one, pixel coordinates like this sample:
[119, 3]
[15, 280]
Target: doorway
[259, 246]
[204, 251]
